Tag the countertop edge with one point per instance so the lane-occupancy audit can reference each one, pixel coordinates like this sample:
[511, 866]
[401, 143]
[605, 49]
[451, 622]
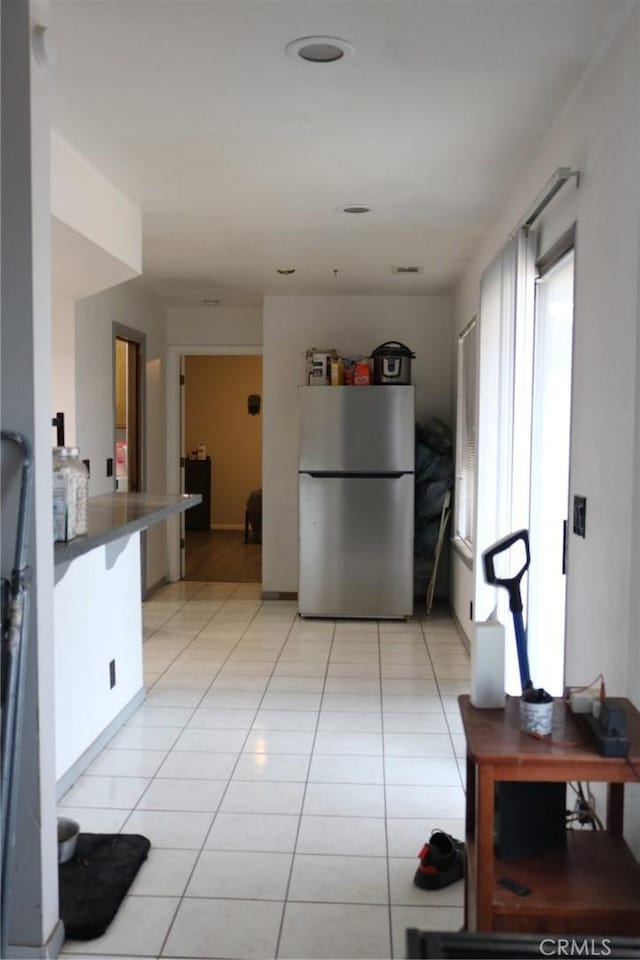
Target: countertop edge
[140, 511]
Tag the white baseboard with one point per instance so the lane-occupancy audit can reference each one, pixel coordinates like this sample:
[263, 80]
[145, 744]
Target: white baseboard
[45, 951]
[460, 629]
[76, 770]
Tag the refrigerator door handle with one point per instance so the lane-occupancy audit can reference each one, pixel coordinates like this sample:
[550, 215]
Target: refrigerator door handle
[328, 474]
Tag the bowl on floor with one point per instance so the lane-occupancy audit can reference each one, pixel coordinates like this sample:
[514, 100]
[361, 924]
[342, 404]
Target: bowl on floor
[68, 831]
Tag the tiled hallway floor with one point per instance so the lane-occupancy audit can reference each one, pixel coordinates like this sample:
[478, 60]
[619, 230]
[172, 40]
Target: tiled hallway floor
[287, 773]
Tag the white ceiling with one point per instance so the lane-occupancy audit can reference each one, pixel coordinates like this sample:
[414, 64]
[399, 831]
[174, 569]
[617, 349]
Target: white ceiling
[239, 155]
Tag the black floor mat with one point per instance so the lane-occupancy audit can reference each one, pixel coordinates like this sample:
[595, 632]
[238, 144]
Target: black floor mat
[94, 882]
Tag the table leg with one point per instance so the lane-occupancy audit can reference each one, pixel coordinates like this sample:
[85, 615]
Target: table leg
[485, 802]
[470, 829]
[615, 809]
[470, 810]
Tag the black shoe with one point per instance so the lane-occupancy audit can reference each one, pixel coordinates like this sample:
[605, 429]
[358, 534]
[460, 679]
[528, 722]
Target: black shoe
[441, 862]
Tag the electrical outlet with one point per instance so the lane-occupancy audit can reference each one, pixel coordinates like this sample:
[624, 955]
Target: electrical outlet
[112, 674]
[109, 466]
[580, 516]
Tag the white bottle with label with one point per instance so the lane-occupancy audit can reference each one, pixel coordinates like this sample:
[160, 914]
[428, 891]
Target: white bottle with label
[64, 496]
[70, 493]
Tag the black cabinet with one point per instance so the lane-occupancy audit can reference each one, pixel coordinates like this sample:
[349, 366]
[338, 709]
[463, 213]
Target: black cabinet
[197, 479]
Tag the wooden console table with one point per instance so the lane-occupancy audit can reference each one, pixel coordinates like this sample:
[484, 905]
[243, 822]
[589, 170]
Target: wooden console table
[592, 887]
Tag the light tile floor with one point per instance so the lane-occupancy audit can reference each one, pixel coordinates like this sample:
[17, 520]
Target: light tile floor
[286, 772]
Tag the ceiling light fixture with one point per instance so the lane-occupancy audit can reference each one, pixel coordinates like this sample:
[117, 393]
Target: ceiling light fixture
[355, 208]
[407, 269]
[286, 272]
[319, 49]
[211, 303]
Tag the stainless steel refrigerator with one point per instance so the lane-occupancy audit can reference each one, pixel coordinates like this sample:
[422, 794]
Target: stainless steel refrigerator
[356, 495]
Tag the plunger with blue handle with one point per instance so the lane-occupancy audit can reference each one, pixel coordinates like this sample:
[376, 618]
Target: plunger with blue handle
[512, 585]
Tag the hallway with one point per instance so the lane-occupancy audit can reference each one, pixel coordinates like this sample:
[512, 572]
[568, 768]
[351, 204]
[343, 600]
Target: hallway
[223, 556]
[287, 773]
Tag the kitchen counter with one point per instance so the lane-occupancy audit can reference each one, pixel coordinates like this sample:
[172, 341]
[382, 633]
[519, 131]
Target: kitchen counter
[97, 629]
[115, 515]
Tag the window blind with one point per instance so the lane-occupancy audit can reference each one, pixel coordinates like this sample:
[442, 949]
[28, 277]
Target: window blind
[466, 432]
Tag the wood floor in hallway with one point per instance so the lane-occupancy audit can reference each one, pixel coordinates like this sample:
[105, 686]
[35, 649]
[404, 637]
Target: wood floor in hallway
[222, 555]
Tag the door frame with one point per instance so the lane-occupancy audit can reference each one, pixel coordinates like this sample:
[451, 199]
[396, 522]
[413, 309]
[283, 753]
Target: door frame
[174, 480]
[122, 332]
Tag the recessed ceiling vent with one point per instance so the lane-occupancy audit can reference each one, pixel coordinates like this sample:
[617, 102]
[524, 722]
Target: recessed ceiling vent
[406, 269]
[319, 49]
[355, 208]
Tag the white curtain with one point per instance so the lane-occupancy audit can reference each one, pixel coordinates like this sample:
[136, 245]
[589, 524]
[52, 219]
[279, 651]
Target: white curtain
[466, 427]
[504, 415]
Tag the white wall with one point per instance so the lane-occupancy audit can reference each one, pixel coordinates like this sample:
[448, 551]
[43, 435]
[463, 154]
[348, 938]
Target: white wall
[217, 326]
[351, 324]
[82, 199]
[598, 133]
[97, 618]
[30, 894]
[131, 305]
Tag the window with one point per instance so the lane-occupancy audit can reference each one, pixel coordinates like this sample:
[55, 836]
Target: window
[466, 431]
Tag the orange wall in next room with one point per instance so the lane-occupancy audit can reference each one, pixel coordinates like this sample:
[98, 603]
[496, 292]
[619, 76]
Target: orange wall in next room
[216, 392]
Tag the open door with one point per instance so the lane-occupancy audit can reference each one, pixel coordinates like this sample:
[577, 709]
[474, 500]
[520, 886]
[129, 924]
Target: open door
[221, 460]
[128, 415]
[129, 390]
[183, 541]
[550, 456]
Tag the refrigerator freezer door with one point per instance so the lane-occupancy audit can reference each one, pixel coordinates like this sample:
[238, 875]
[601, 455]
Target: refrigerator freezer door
[357, 429]
[356, 546]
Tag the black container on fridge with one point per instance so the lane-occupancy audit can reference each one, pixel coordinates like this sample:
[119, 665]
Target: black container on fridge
[392, 363]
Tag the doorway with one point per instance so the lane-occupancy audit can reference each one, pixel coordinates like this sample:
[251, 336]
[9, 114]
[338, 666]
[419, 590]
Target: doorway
[128, 392]
[550, 460]
[222, 450]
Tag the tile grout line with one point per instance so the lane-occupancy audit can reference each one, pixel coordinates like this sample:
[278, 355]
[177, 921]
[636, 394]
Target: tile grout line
[304, 795]
[188, 644]
[384, 797]
[184, 726]
[230, 777]
[180, 899]
[278, 659]
[193, 709]
[444, 713]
